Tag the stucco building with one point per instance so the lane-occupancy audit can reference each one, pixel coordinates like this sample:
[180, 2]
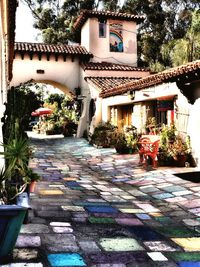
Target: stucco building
[105, 58]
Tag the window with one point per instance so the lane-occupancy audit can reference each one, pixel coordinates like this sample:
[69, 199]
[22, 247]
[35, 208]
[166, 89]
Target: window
[102, 29]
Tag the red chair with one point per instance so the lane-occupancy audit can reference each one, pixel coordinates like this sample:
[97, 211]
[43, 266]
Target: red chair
[149, 149]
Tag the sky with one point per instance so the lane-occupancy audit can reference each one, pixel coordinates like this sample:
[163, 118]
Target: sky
[25, 31]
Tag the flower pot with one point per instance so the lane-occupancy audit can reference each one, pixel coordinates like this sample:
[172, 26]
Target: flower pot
[32, 187]
[122, 150]
[11, 219]
[180, 160]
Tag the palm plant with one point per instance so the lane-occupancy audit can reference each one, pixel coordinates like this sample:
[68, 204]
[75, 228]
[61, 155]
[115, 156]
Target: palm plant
[14, 179]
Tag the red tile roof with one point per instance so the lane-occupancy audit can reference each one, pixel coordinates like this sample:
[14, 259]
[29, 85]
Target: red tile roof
[107, 83]
[51, 49]
[168, 75]
[110, 66]
[85, 14]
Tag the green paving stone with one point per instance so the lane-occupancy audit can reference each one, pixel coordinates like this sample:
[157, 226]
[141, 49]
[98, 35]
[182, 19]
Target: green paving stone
[176, 231]
[120, 244]
[184, 256]
[163, 219]
[101, 220]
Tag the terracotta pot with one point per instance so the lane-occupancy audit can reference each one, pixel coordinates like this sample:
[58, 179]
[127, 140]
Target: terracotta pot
[180, 160]
[32, 186]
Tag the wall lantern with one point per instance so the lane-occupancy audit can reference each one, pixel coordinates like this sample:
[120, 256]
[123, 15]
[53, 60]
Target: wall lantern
[131, 95]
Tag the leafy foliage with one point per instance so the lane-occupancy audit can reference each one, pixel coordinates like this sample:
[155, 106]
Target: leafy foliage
[20, 104]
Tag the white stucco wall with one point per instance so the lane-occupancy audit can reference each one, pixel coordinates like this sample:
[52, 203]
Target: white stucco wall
[64, 75]
[100, 47]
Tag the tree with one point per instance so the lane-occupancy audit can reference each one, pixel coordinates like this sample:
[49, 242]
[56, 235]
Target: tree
[21, 102]
[58, 98]
[185, 49]
[165, 21]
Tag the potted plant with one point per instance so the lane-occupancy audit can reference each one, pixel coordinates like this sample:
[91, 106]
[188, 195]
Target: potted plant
[179, 150]
[120, 143]
[103, 135]
[13, 184]
[33, 177]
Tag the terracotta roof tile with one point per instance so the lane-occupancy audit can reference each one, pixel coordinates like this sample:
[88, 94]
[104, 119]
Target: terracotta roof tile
[105, 84]
[168, 75]
[110, 66]
[51, 48]
[85, 14]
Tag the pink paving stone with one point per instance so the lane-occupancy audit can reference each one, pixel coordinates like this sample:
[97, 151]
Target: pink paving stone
[175, 199]
[128, 221]
[191, 203]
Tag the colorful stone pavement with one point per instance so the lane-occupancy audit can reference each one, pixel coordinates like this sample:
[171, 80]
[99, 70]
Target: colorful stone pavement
[96, 208]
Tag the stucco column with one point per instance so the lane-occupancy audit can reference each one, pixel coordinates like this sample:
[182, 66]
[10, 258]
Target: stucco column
[194, 130]
[97, 118]
[84, 120]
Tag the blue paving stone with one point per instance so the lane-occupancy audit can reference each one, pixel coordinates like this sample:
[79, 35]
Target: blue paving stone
[143, 216]
[163, 196]
[103, 209]
[145, 233]
[89, 204]
[189, 264]
[72, 184]
[66, 259]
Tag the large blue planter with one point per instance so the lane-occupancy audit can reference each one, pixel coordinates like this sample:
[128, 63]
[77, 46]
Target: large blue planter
[11, 219]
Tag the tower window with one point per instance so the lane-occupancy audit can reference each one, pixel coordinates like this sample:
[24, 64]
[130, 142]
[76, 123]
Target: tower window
[102, 29]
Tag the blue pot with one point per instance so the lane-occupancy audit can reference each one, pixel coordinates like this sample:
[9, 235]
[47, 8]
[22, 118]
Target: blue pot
[11, 219]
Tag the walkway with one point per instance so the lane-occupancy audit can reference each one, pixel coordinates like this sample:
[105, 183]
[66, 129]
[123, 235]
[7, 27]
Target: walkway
[96, 208]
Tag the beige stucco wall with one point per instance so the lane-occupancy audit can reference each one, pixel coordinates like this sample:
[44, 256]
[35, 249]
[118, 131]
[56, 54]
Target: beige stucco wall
[64, 75]
[141, 98]
[100, 47]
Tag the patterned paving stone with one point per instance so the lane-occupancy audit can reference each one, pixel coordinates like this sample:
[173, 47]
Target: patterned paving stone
[102, 209]
[67, 259]
[51, 192]
[184, 256]
[128, 221]
[72, 208]
[23, 265]
[115, 258]
[174, 231]
[60, 224]
[25, 241]
[120, 244]
[163, 196]
[58, 229]
[131, 210]
[157, 256]
[60, 242]
[143, 216]
[189, 264]
[100, 220]
[145, 233]
[159, 246]
[89, 246]
[25, 254]
[34, 229]
[188, 244]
